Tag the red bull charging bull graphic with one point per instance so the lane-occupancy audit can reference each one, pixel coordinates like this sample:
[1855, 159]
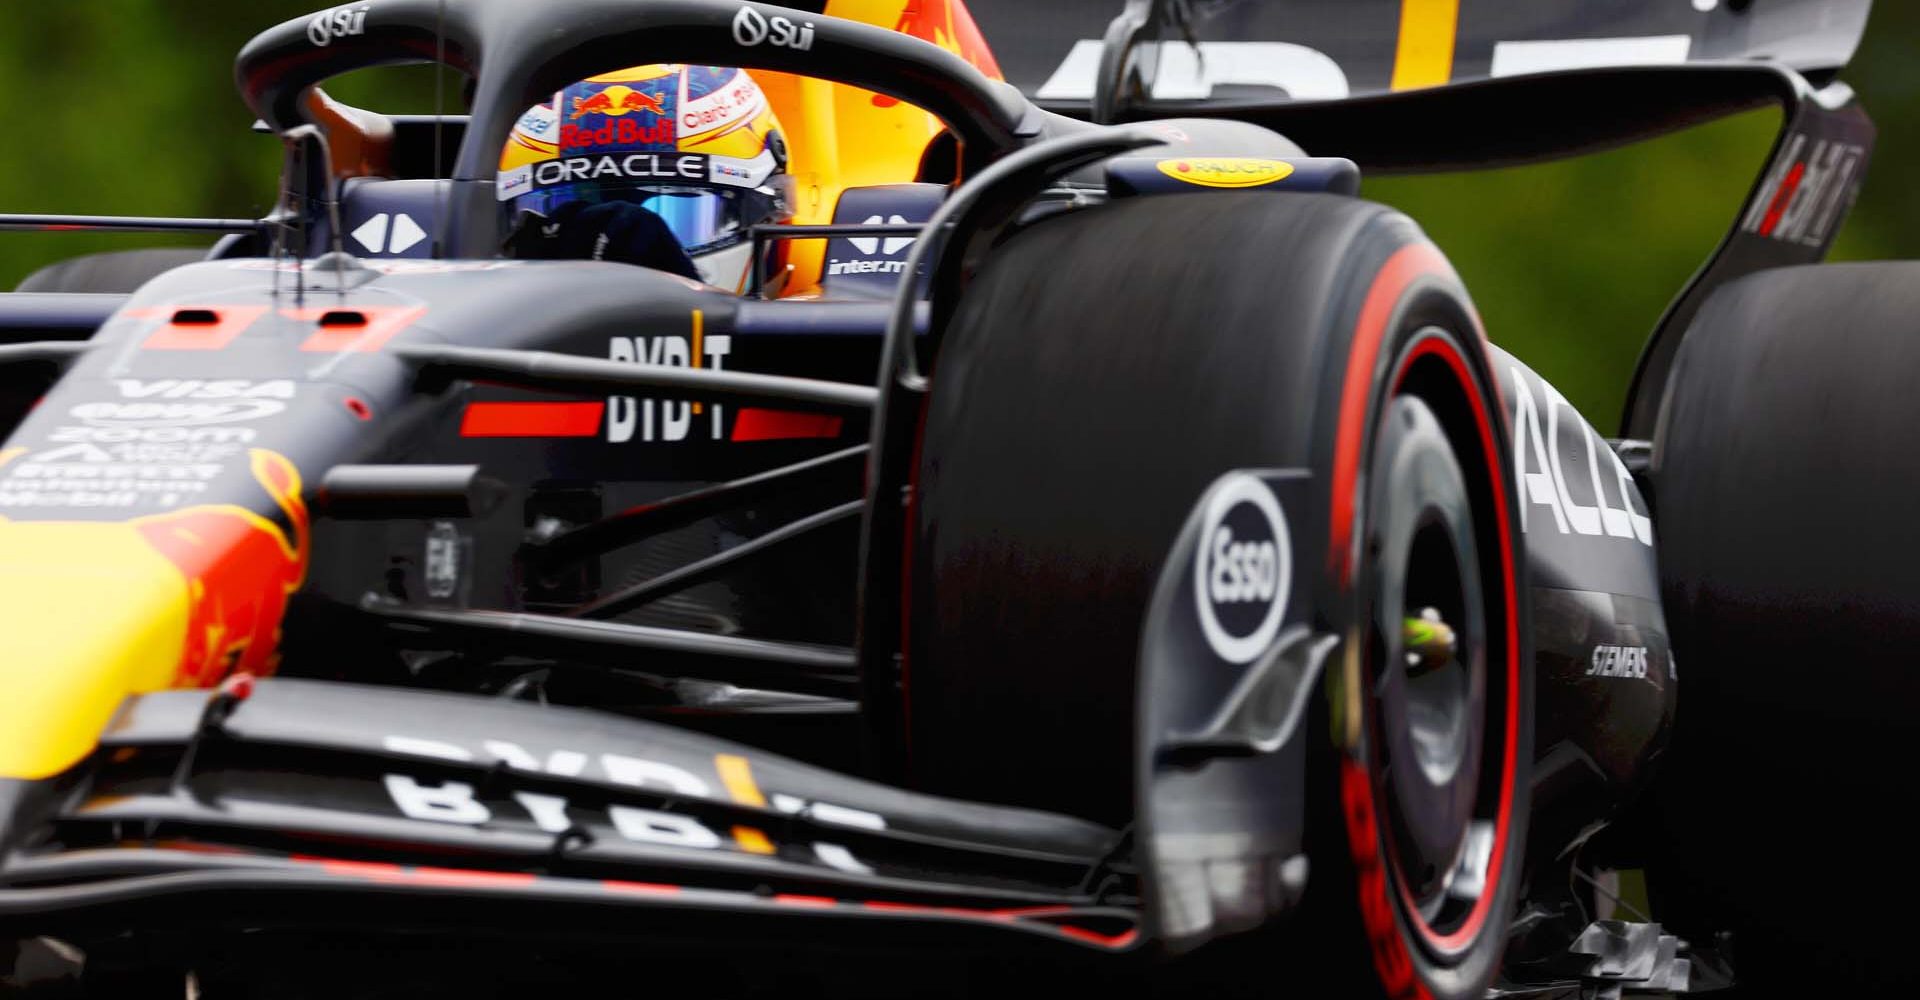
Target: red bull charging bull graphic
[240, 569]
[610, 117]
[948, 25]
[617, 100]
[92, 610]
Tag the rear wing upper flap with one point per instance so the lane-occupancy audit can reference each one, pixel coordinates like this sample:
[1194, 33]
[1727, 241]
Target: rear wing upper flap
[1435, 59]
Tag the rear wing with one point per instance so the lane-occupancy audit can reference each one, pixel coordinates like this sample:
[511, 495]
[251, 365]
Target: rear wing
[1328, 49]
[1418, 85]
[1256, 59]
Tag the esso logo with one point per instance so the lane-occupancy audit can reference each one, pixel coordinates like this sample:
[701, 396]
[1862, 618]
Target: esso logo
[750, 28]
[1243, 569]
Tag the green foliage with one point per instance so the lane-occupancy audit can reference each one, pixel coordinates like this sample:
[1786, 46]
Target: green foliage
[129, 108]
[119, 108]
[1571, 263]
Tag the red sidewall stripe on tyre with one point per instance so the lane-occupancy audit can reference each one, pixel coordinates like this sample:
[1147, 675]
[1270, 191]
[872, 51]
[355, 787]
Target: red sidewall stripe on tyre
[1409, 263]
[1446, 351]
[1392, 962]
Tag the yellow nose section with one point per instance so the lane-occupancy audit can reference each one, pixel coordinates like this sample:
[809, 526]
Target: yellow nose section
[89, 613]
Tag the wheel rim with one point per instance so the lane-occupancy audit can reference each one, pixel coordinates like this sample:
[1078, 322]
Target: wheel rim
[1446, 953]
[1429, 695]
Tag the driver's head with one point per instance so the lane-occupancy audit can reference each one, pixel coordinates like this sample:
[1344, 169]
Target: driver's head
[665, 166]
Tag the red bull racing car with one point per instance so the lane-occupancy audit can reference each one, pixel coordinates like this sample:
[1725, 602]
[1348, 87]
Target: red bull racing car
[971, 518]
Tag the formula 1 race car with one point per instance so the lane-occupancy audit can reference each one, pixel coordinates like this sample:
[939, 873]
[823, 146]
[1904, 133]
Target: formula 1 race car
[1195, 600]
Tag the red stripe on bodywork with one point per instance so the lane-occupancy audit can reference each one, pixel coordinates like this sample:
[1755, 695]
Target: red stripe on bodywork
[1120, 940]
[641, 888]
[385, 872]
[516, 420]
[382, 322]
[382, 871]
[378, 870]
[812, 902]
[1782, 198]
[1410, 262]
[753, 424]
[228, 322]
[888, 906]
[467, 876]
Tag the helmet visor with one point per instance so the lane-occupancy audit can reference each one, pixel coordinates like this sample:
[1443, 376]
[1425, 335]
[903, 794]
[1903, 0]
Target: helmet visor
[702, 218]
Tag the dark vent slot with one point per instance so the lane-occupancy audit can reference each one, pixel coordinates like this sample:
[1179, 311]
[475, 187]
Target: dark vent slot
[343, 317]
[195, 317]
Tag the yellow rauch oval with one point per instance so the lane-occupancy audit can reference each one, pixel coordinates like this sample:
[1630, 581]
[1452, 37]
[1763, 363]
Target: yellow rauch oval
[1226, 171]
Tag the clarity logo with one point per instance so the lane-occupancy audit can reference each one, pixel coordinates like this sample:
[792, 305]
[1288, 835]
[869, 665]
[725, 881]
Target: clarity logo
[872, 244]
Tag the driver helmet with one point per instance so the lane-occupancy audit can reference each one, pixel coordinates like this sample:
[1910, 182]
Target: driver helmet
[697, 146]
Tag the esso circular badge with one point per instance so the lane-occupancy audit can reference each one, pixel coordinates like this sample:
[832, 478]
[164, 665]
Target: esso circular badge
[1243, 569]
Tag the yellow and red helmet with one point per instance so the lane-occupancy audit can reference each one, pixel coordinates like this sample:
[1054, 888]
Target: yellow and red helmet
[699, 146]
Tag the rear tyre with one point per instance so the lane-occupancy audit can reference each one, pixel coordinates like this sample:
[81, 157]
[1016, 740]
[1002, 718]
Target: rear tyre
[1100, 372]
[116, 271]
[1784, 481]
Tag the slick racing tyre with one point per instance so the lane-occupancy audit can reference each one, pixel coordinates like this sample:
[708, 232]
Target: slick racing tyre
[115, 271]
[1101, 370]
[1784, 481]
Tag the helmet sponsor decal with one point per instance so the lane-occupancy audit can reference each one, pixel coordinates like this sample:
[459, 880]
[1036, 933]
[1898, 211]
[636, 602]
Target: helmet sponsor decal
[1242, 569]
[683, 167]
[616, 133]
[617, 100]
[741, 173]
[722, 108]
[540, 122]
[1226, 171]
[513, 183]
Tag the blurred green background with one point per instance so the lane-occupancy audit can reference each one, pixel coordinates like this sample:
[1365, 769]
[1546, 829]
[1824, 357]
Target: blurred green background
[129, 108]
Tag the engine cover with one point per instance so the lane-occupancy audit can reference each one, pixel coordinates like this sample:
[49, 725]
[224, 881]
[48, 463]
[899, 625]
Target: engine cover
[1607, 679]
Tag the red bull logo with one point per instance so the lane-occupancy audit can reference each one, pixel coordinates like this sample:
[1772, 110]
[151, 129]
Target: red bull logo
[240, 569]
[621, 132]
[616, 101]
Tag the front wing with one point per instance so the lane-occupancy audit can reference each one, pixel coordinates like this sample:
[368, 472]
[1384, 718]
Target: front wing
[456, 811]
